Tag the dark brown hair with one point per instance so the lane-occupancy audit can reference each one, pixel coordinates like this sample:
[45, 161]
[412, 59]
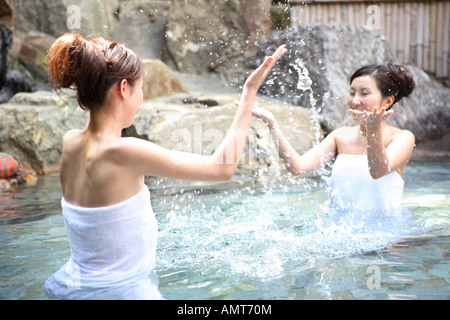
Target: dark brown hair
[392, 80]
[91, 66]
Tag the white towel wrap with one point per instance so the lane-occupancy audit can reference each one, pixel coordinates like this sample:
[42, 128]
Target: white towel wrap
[353, 188]
[113, 252]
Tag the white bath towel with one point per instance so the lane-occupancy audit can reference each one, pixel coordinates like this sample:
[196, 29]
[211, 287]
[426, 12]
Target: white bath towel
[353, 188]
[112, 252]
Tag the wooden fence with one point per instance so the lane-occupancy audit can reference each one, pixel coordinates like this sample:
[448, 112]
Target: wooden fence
[418, 31]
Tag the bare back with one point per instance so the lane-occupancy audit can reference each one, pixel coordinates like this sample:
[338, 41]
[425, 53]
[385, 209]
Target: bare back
[93, 173]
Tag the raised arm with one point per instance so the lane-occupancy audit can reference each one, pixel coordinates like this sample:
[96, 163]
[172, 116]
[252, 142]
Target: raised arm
[234, 141]
[298, 164]
[384, 159]
[151, 159]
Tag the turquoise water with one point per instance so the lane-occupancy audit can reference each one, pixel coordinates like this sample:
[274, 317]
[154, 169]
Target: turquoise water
[272, 238]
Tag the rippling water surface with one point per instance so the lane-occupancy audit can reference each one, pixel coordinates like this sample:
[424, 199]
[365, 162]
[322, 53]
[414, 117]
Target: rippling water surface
[271, 239]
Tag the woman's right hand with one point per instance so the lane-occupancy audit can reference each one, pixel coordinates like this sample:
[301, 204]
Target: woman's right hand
[258, 76]
[253, 83]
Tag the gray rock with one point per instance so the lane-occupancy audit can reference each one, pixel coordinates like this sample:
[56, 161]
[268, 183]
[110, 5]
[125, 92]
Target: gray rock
[44, 16]
[32, 126]
[159, 80]
[141, 26]
[60, 16]
[316, 72]
[214, 36]
[194, 127]
[426, 112]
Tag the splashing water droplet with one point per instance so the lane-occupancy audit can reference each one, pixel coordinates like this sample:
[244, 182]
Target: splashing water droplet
[304, 83]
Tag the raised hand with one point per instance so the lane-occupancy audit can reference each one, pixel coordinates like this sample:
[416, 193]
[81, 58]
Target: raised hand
[259, 75]
[375, 117]
[254, 81]
[263, 114]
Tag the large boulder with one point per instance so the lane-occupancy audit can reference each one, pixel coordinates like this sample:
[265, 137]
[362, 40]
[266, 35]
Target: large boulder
[186, 123]
[30, 50]
[215, 36]
[316, 70]
[159, 80]
[32, 126]
[141, 24]
[426, 112]
[59, 16]
[28, 28]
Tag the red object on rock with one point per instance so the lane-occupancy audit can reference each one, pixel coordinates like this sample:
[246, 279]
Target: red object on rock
[8, 166]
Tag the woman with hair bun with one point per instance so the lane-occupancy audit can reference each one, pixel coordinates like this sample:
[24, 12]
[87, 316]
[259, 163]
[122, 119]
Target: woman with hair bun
[370, 157]
[106, 205]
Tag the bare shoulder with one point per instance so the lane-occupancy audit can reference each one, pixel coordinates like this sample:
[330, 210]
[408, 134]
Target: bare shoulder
[71, 135]
[131, 143]
[344, 132]
[334, 141]
[70, 141]
[400, 144]
[72, 132]
[133, 148]
[406, 133]
[401, 134]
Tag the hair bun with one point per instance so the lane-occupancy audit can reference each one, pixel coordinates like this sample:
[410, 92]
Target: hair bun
[91, 66]
[403, 79]
[63, 60]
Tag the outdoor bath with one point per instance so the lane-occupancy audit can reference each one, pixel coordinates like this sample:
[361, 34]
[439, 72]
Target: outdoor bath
[265, 234]
[275, 239]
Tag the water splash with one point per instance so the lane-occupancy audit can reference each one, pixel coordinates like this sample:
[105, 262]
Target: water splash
[266, 226]
[247, 233]
[267, 229]
[304, 84]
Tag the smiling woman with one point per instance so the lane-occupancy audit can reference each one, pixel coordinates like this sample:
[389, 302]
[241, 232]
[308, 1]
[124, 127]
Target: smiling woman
[374, 90]
[375, 150]
[106, 205]
[391, 80]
